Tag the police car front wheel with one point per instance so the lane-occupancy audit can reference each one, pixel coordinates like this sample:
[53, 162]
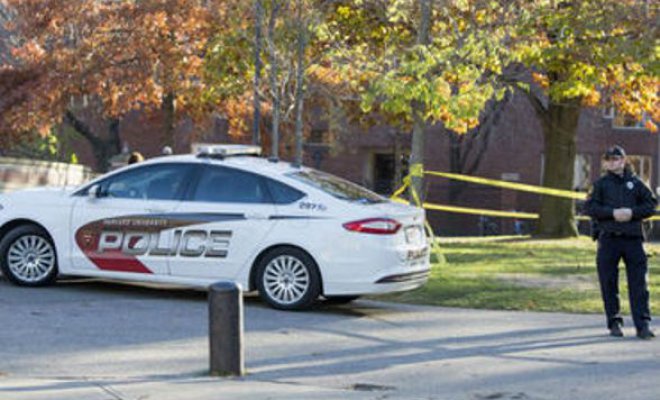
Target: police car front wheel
[28, 256]
[288, 279]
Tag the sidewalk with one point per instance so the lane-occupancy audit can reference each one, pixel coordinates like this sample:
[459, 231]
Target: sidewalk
[82, 340]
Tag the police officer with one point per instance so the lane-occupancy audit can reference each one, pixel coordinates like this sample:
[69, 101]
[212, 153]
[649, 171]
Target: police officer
[618, 203]
[135, 157]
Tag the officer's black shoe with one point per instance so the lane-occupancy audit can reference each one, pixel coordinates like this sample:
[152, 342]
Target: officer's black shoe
[645, 333]
[615, 330]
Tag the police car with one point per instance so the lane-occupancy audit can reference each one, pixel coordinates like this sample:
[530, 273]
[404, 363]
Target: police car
[295, 234]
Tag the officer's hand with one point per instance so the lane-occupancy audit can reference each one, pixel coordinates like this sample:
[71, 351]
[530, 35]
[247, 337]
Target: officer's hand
[622, 214]
[627, 214]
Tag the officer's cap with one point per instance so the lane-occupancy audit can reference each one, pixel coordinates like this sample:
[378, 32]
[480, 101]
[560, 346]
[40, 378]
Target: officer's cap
[614, 151]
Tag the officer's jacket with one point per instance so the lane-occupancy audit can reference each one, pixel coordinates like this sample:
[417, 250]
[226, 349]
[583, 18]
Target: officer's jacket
[627, 191]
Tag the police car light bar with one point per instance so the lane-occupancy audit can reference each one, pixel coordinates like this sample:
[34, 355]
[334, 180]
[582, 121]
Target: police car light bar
[225, 150]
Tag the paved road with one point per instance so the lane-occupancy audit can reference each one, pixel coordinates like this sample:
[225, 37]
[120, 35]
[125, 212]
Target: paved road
[84, 339]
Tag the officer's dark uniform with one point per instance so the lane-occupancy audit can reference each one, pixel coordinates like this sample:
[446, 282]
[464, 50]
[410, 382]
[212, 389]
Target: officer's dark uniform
[618, 240]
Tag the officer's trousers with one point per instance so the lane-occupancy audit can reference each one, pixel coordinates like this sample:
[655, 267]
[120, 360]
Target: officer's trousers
[610, 251]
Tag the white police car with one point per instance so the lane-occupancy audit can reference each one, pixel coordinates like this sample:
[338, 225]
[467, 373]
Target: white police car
[292, 233]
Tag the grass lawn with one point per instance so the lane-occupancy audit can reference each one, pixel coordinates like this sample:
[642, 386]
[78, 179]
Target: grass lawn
[519, 273]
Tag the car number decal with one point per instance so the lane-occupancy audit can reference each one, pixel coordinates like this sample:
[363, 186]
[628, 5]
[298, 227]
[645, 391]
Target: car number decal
[305, 205]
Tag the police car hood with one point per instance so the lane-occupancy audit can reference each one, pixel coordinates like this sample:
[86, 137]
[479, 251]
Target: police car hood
[38, 195]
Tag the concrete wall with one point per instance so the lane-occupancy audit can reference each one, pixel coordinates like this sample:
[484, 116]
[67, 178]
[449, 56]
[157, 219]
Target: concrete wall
[19, 173]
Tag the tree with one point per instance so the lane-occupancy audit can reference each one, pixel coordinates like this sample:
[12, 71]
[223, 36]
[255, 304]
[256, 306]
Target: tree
[289, 52]
[5, 37]
[416, 63]
[258, 42]
[417, 105]
[584, 54]
[275, 92]
[301, 47]
[115, 56]
[580, 53]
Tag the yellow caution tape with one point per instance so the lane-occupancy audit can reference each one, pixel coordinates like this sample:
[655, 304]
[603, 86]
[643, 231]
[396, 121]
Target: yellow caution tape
[475, 211]
[415, 196]
[406, 183]
[485, 181]
[417, 170]
[481, 211]
[494, 213]
[399, 200]
[516, 186]
[512, 185]
[399, 191]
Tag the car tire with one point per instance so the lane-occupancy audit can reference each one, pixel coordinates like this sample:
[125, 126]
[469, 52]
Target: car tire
[340, 299]
[28, 257]
[288, 279]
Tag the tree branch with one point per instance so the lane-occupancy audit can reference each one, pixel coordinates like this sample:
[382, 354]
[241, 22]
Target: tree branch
[536, 103]
[82, 128]
[485, 130]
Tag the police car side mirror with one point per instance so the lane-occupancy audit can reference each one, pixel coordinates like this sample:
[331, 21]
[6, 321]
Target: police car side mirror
[93, 192]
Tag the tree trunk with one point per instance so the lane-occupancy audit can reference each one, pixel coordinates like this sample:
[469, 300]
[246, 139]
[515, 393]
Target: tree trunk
[168, 116]
[256, 120]
[455, 165]
[114, 141]
[398, 162]
[274, 89]
[418, 110]
[557, 215]
[417, 154]
[300, 82]
[103, 149]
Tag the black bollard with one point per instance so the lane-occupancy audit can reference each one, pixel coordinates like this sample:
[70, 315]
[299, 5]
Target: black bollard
[226, 329]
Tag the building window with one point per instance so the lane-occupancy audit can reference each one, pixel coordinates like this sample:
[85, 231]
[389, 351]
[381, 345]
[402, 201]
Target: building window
[621, 120]
[383, 173]
[582, 172]
[317, 136]
[385, 179]
[642, 167]
[608, 112]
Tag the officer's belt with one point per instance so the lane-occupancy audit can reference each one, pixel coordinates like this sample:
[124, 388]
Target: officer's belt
[619, 235]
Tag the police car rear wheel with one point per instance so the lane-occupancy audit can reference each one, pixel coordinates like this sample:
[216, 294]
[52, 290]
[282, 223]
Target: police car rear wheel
[28, 257]
[288, 279]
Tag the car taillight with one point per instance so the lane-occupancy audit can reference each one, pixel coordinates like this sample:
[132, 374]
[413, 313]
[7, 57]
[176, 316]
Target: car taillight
[377, 226]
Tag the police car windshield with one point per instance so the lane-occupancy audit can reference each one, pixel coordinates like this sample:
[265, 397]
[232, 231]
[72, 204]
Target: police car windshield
[337, 187]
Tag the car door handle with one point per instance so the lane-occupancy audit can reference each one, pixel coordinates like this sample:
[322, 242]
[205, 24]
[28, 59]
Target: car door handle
[156, 210]
[255, 216]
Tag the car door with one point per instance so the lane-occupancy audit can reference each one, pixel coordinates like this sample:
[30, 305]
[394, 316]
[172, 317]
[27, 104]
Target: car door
[128, 226]
[234, 215]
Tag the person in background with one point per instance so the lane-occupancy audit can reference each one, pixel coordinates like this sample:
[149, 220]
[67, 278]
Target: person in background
[135, 157]
[618, 203]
